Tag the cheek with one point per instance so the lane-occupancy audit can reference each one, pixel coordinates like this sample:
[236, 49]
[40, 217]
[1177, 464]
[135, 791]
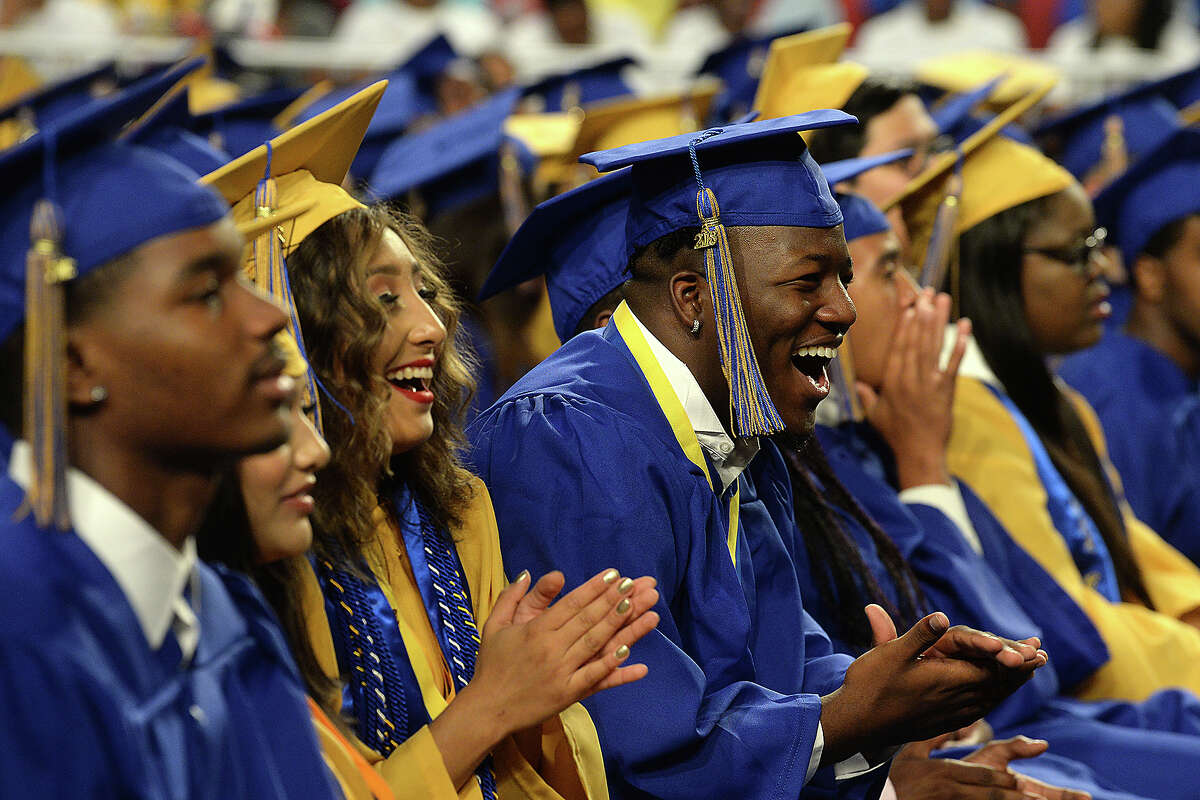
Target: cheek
[261, 479]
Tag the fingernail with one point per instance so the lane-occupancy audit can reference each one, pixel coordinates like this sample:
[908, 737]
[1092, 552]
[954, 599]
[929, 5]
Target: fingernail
[611, 576]
[524, 576]
[939, 622]
[622, 652]
[624, 586]
[623, 606]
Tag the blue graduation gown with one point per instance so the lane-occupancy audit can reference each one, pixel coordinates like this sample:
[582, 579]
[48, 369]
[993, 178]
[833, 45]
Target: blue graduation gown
[1148, 409]
[87, 709]
[1148, 749]
[586, 473]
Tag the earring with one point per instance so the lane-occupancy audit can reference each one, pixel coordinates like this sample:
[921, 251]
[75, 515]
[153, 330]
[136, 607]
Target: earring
[695, 327]
[98, 394]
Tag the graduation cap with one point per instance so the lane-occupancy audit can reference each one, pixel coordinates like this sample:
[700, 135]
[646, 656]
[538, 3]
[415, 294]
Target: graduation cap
[577, 241]
[1078, 139]
[763, 175]
[860, 217]
[579, 87]
[76, 199]
[956, 116]
[822, 86]
[240, 127]
[17, 79]
[287, 188]
[166, 127]
[550, 137]
[962, 72]
[791, 55]
[454, 162]
[46, 104]
[1158, 189]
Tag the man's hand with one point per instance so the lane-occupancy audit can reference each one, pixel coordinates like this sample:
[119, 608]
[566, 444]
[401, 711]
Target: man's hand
[932, 680]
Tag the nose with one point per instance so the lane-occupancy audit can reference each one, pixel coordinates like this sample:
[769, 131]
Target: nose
[261, 314]
[838, 314]
[310, 452]
[907, 290]
[429, 331]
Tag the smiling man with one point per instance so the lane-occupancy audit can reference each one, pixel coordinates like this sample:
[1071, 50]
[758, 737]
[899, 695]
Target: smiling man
[645, 445]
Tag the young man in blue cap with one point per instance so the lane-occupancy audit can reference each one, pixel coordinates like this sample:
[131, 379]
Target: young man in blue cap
[1142, 380]
[131, 670]
[632, 445]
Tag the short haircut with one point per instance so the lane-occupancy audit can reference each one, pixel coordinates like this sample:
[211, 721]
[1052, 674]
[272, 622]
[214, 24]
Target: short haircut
[876, 95]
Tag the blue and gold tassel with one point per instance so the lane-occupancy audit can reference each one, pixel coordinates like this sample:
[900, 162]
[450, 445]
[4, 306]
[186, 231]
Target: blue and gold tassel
[939, 251]
[750, 408]
[45, 405]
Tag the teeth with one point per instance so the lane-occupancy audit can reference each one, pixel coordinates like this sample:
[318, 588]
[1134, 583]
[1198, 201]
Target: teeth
[815, 352]
[411, 373]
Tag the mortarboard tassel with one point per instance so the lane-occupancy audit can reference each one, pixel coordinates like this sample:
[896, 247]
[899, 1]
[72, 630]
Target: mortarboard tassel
[45, 406]
[270, 274]
[750, 406]
[843, 380]
[942, 235]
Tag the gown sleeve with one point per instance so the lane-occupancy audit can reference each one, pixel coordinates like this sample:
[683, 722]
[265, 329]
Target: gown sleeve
[580, 487]
[1148, 650]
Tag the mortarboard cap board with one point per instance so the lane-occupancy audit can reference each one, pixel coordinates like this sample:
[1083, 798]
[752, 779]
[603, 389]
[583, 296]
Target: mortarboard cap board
[752, 174]
[46, 104]
[75, 200]
[957, 108]
[550, 138]
[1078, 138]
[287, 188]
[579, 87]
[962, 72]
[17, 79]
[242, 126]
[789, 55]
[577, 241]
[166, 128]
[820, 86]
[1157, 189]
[860, 217]
[740, 66]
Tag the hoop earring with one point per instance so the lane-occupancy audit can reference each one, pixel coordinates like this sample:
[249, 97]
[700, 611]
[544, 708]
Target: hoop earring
[695, 327]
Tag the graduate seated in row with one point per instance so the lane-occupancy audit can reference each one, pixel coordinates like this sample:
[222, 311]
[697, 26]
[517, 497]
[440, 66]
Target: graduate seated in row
[130, 669]
[457, 683]
[618, 448]
[1026, 271]
[1141, 380]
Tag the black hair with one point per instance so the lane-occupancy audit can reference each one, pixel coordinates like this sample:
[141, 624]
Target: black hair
[991, 255]
[225, 537]
[844, 580]
[646, 263]
[606, 303]
[876, 95]
[1152, 19]
[1158, 245]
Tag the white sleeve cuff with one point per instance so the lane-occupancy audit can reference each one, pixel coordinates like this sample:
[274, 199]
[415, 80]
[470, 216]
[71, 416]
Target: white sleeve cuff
[948, 500]
[852, 767]
[818, 750]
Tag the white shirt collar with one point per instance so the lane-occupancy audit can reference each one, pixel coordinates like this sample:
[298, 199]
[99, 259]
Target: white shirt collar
[729, 456]
[151, 573]
[973, 365]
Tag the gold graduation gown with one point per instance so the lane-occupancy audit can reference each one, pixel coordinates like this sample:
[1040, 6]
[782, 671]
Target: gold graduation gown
[561, 761]
[1149, 650]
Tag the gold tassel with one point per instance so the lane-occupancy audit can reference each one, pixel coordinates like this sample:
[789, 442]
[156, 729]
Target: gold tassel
[45, 406]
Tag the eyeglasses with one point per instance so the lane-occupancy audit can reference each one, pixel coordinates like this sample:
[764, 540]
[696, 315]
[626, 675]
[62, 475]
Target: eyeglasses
[1079, 257]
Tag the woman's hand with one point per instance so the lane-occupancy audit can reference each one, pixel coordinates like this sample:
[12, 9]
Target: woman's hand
[537, 657]
[914, 406]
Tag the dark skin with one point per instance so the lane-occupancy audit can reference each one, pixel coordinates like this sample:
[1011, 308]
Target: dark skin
[933, 679]
[184, 348]
[1166, 308]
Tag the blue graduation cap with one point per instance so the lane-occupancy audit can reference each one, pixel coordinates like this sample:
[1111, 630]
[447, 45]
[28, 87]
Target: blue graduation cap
[454, 162]
[860, 217]
[49, 103]
[1157, 189]
[579, 87]
[1077, 138]
[242, 126]
[762, 174]
[167, 129]
[76, 199]
[577, 240]
[739, 65]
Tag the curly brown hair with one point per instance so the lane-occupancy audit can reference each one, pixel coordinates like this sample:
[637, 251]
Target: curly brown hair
[343, 326]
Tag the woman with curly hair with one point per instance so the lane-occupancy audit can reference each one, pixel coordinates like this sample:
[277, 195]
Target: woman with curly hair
[454, 683]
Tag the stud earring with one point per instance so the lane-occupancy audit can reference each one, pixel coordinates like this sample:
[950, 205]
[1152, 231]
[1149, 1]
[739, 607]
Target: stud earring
[695, 327]
[98, 394]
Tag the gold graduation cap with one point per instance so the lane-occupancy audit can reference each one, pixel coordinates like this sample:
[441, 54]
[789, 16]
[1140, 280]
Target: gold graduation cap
[283, 190]
[626, 121]
[986, 175]
[17, 79]
[790, 55]
[822, 86]
[550, 137]
[962, 72]
[284, 119]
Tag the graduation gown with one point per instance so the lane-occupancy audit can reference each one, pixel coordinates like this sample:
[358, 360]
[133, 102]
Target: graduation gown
[1148, 650]
[89, 710]
[593, 464]
[1149, 411]
[562, 760]
[1148, 749]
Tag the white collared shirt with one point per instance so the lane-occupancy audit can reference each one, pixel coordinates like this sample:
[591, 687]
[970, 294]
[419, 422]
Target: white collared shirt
[730, 457]
[151, 573]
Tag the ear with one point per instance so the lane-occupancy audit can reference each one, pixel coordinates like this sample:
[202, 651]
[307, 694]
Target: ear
[689, 293]
[81, 375]
[601, 319]
[1149, 277]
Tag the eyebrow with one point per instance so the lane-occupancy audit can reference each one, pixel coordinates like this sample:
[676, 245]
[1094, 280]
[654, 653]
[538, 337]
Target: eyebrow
[392, 269]
[210, 262]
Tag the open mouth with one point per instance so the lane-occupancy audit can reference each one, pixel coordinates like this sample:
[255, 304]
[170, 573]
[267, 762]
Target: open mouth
[413, 382]
[811, 362]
